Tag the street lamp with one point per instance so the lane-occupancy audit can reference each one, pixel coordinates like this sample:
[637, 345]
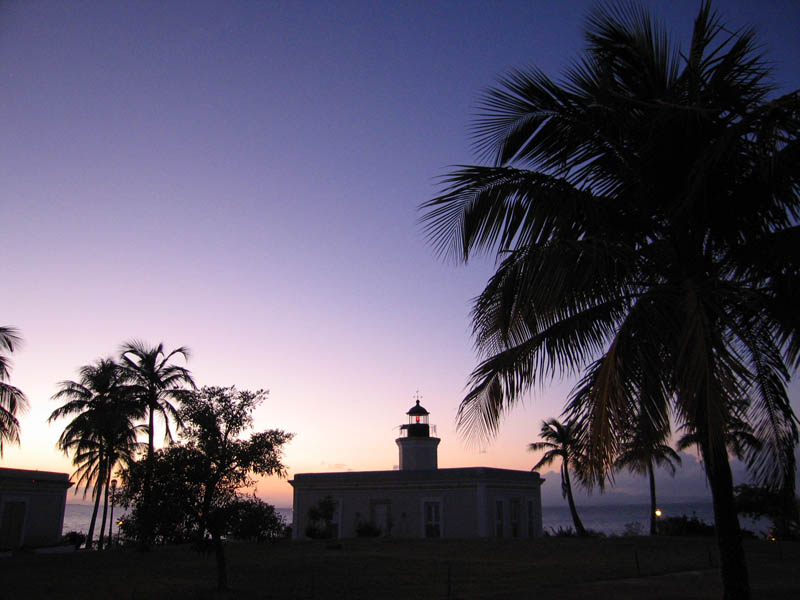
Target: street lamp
[111, 520]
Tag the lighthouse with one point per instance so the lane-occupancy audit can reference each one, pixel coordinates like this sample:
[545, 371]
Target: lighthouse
[417, 447]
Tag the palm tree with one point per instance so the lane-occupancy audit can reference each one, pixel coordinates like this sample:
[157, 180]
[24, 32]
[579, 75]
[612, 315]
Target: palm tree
[101, 434]
[157, 384]
[12, 400]
[644, 216]
[561, 443]
[643, 451]
[741, 440]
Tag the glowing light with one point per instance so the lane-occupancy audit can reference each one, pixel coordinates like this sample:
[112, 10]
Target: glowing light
[658, 512]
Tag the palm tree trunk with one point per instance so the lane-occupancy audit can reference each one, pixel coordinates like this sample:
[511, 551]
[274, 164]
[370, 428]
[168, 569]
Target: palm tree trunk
[105, 509]
[576, 520]
[98, 488]
[652, 497]
[733, 567]
[147, 521]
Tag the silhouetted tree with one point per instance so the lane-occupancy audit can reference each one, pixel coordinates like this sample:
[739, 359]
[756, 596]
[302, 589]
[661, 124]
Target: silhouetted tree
[157, 384]
[561, 442]
[102, 433]
[644, 214]
[12, 400]
[643, 451]
[760, 502]
[253, 519]
[214, 418]
[177, 494]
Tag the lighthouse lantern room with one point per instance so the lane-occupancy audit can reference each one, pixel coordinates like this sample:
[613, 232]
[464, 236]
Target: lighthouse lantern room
[418, 450]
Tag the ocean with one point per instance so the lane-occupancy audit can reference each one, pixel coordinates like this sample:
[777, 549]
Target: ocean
[78, 516]
[609, 519]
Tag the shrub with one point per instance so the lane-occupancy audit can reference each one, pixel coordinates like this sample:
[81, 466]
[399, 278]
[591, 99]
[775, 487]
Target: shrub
[367, 529]
[633, 529]
[684, 526]
[73, 538]
[253, 519]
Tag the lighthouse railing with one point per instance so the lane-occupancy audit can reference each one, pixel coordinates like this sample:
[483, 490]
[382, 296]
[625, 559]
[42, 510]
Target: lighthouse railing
[404, 431]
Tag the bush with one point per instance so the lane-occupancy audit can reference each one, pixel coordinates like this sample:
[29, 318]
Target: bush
[73, 538]
[684, 526]
[570, 532]
[633, 529]
[320, 517]
[253, 519]
[367, 529]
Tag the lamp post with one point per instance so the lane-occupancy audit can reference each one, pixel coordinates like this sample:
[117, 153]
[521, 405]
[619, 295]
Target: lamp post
[658, 514]
[111, 520]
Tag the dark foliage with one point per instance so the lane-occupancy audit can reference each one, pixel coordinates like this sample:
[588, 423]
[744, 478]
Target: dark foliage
[368, 529]
[759, 502]
[177, 496]
[73, 538]
[683, 525]
[320, 520]
[252, 519]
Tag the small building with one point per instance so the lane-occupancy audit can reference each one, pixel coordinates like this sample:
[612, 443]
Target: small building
[418, 500]
[31, 508]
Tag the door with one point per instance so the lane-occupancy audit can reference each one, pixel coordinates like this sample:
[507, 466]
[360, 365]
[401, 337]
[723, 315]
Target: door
[11, 523]
[433, 519]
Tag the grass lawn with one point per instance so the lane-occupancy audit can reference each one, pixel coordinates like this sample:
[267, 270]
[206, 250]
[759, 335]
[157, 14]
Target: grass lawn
[551, 568]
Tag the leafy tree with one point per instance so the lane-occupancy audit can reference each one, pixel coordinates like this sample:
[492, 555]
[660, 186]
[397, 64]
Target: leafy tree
[157, 384]
[644, 213]
[12, 400]
[253, 519]
[760, 502]
[214, 418]
[102, 433]
[645, 449]
[561, 443]
[177, 493]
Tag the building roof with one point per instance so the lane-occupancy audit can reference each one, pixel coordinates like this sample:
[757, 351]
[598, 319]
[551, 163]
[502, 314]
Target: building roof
[417, 410]
[25, 476]
[464, 475]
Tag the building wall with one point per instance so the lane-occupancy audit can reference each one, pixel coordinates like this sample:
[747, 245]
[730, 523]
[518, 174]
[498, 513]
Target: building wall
[466, 509]
[31, 507]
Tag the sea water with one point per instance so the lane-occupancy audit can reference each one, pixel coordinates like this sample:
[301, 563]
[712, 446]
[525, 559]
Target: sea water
[609, 519]
[78, 516]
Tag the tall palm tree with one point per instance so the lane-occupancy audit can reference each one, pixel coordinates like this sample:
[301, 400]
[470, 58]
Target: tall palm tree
[643, 451]
[561, 443]
[12, 400]
[102, 433]
[644, 213]
[741, 440]
[158, 384]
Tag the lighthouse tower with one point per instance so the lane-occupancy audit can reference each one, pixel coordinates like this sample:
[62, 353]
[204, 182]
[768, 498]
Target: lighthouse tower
[417, 447]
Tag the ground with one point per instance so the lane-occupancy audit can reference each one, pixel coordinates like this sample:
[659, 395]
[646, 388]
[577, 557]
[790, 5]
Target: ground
[564, 568]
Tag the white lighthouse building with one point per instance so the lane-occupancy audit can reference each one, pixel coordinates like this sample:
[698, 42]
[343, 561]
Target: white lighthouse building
[419, 499]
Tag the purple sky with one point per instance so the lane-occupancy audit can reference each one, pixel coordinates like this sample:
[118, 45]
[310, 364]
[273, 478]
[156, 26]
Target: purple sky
[242, 179]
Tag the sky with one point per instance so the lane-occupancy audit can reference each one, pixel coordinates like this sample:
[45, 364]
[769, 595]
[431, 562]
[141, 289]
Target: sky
[243, 178]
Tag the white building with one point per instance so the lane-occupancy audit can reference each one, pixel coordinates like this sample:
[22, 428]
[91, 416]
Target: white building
[31, 508]
[419, 499]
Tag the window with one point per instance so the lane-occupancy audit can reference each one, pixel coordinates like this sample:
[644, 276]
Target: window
[515, 510]
[498, 530]
[432, 517]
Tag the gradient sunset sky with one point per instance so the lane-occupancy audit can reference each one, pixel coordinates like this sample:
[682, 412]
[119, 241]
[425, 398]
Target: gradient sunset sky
[243, 178]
